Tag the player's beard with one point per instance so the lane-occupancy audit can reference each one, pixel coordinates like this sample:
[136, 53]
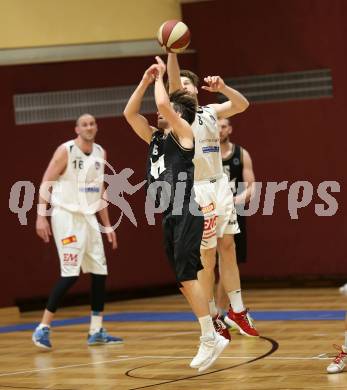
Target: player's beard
[224, 140]
[88, 137]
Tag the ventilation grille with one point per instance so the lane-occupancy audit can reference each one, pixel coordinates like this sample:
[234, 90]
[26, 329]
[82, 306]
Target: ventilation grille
[110, 102]
[312, 84]
[68, 105]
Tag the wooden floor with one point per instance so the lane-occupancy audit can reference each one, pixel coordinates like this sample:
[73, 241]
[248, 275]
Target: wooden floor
[155, 355]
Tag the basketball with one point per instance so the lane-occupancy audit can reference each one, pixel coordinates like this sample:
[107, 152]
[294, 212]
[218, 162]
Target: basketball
[174, 36]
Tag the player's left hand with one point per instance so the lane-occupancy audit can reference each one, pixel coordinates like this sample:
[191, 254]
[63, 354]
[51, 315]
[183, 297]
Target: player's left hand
[161, 66]
[214, 84]
[112, 239]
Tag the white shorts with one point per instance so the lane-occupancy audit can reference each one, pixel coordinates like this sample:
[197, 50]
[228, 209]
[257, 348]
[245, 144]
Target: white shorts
[217, 204]
[79, 243]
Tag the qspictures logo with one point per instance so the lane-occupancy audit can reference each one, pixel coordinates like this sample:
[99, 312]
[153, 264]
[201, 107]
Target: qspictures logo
[299, 194]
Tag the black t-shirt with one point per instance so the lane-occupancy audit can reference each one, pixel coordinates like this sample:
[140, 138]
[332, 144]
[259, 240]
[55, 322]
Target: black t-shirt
[233, 167]
[171, 163]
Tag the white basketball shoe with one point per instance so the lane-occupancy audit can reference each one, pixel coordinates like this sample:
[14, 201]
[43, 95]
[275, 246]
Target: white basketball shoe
[210, 348]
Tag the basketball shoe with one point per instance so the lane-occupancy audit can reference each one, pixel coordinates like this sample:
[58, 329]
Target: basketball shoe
[102, 337]
[340, 361]
[41, 337]
[210, 348]
[220, 327]
[242, 321]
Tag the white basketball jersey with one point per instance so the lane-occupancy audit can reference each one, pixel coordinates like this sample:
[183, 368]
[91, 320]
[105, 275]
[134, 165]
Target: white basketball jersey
[79, 188]
[207, 158]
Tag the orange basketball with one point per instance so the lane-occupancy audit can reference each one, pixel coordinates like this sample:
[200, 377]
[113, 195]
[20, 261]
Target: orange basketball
[174, 36]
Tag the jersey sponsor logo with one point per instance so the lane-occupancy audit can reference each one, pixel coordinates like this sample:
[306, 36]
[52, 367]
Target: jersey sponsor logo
[70, 259]
[236, 161]
[208, 235]
[208, 208]
[158, 167]
[210, 227]
[69, 240]
[97, 165]
[205, 140]
[210, 149]
[89, 189]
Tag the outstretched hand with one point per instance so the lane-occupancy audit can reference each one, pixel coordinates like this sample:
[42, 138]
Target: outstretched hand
[160, 66]
[214, 84]
[154, 71]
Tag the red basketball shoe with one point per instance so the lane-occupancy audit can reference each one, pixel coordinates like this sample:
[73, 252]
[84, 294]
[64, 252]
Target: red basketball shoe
[339, 363]
[242, 321]
[220, 327]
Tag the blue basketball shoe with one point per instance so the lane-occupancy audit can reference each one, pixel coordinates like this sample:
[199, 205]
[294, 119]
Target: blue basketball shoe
[41, 337]
[101, 338]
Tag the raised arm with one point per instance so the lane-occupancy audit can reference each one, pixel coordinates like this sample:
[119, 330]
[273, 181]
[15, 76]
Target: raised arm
[132, 110]
[173, 73]
[179, 125]
[55, 168]
[248, 179]
[236, 101]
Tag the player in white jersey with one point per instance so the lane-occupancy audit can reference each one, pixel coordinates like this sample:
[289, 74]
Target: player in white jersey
[75, 178]
[212, 189]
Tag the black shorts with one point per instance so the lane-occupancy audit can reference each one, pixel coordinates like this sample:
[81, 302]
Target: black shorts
[241, 240]
[182, 239]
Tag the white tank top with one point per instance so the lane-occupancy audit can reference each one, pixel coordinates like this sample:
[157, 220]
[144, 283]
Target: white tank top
[207, 158]
[79, 188]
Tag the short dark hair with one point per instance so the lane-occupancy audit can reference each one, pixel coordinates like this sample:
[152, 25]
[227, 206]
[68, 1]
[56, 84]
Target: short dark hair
[185, 104]
[191, 76]
[77, 123]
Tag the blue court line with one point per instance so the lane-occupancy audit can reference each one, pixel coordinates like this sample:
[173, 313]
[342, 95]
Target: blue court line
[292, 315]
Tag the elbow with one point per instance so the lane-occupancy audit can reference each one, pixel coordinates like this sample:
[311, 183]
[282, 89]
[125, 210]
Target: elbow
[161, 105]
[244, 106]
[126, 113]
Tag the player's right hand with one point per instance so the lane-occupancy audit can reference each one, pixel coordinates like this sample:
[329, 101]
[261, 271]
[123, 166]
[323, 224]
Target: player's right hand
[43, 229]
[214, 84]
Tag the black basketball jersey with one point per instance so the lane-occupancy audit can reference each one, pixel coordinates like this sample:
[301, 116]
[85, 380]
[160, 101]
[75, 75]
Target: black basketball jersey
[171, 163]
[233, 167]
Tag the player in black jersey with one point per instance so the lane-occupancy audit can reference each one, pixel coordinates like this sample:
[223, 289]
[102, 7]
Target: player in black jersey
[237, 165]
[169, 163]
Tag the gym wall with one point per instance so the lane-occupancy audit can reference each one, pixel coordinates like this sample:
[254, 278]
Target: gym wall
[288, 141]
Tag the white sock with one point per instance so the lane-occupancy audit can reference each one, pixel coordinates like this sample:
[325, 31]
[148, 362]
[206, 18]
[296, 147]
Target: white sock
[213, 308]
[346, 338]
[206, 324]
[95, 323]
[43, 326]
[235, 299]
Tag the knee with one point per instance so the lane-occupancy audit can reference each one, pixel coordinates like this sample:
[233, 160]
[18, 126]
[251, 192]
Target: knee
[208, 258]
[226, 243]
